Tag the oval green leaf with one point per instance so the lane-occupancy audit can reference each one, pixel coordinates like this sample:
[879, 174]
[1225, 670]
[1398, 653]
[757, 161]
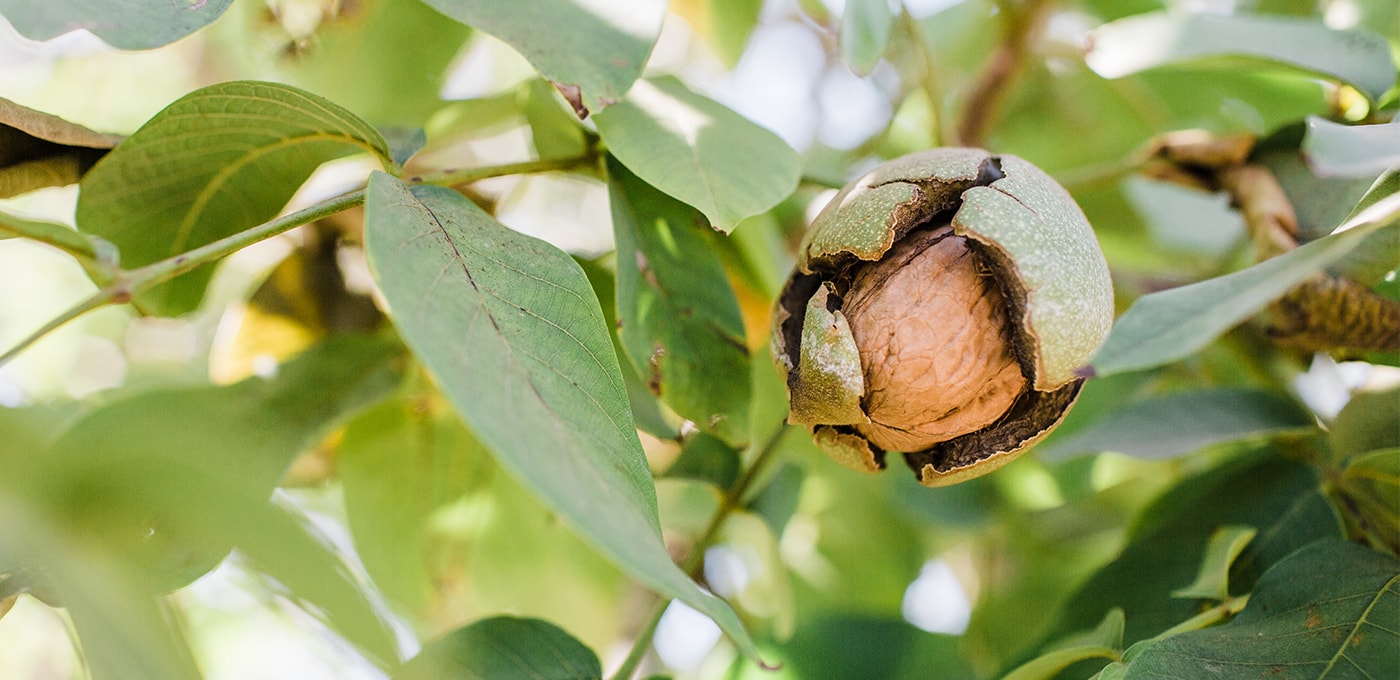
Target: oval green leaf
[504, 648]
[866, 27]
[1356, 56]
[597, 52]
[515, 337]
[386, 60]
[1177, 424]
[139, 25]
[679, 320]
[400, 463]
[1327, 611]
[1162, 327]
[699, 151]
[168, 481]
[217, 161]
[1213, 581]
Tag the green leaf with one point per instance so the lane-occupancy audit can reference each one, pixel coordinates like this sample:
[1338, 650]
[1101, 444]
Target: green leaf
[1176, 424]
[1335, 150]
[513, 333]
[1327, 611]
[1213, 581]
[504, 648]
[1103, 642]
[1367, 489]
[554, 132]
[699, 151]
[168, 481]
[217, 161]
[284, 546]
[38, 150]
[1108, 634]
[111, 605]
[707, 459]
[1162, 327]
[400, 463]
[46, 232]
[1321, 203]
[385, 60]
[652, 418]
[679, 320]
[107, 466]
[731, 24]
[850, 645]
[866, 26]
[1355, 56]
[595, 55]
[1369, 421]
[1167, 546]
[1049, 665]
[125, 25]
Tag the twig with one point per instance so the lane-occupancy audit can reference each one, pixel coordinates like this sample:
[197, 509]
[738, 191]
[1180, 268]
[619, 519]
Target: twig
[97, 300]
[984, 100]
[469, 175]
[126, 284]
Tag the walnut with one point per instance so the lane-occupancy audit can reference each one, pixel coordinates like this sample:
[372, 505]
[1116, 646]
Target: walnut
[940, 307]
[931, 329]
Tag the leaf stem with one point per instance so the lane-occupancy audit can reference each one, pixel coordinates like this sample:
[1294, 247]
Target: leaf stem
[144, 278]
[695, 561]
[55, 235]
[587, 159]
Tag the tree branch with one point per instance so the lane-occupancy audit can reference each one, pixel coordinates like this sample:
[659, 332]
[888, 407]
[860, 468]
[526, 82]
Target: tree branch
[125, 284]
[983, 103]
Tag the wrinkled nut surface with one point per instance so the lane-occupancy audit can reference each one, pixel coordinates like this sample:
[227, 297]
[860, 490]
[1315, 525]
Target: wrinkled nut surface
[940, 307]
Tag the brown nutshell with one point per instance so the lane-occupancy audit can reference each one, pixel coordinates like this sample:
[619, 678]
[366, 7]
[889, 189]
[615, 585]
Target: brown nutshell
[931, 328]
[942, 307]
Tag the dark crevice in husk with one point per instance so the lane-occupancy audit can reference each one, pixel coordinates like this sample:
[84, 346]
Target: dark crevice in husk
[1033, 414]
[1013, 291]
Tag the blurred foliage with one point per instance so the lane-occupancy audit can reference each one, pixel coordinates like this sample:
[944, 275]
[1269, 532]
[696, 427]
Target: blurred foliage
[506, 419]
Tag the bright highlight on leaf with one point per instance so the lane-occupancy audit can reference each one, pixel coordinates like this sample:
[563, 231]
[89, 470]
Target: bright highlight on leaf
[217, 161]
[511, 330]
[1162, 327]
[1213, 582]
[699, 151]
[1336, 150]
[1145, 41]
[139, 25]
[866, 26]
[592, 49]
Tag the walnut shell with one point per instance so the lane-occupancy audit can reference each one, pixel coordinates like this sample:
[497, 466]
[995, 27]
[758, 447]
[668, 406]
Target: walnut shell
[940, 306]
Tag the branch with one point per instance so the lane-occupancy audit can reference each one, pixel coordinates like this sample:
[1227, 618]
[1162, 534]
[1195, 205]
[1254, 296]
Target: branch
[97, 300]
[126, 284]
[451, 177]
[984, 100]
